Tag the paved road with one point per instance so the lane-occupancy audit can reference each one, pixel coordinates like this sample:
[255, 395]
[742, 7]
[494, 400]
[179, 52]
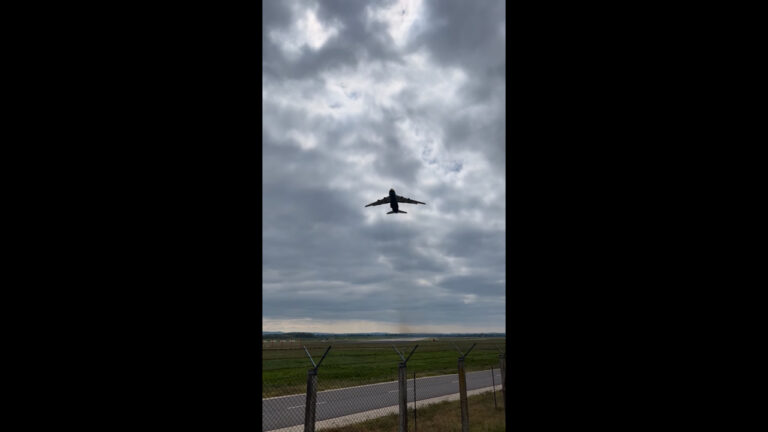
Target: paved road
[287, 411]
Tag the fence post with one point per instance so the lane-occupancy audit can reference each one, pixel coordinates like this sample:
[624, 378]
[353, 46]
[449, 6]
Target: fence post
[493, 383]
[503, 368]
[311, 401]
[463, 391]
[415, 428]
[403, 393]
[402, 381]
[463, 397]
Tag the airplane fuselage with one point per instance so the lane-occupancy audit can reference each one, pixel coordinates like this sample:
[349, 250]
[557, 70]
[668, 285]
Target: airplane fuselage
[393, 200]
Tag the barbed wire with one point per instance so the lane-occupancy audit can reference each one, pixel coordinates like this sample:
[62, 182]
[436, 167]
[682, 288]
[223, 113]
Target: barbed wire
[354, 399]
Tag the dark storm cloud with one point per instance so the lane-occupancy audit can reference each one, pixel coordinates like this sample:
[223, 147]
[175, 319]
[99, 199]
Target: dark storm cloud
[345, 120]
[478, 285]
[394, 161]
[473, 241]
[449, 200]
[466, 34]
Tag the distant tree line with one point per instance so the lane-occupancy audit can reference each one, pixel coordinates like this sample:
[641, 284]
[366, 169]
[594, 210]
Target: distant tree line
[295, 335]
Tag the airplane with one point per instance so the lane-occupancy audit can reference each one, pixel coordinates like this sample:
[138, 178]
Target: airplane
[392, 200]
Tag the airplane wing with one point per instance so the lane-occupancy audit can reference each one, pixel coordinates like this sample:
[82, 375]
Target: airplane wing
[408, 200]
[384, 200]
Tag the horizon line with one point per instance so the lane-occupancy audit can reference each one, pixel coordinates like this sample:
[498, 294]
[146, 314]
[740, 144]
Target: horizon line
[375, 332]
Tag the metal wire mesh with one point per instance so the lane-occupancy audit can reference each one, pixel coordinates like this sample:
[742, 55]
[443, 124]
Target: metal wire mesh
[281, 405]
[355, 387]
[345, 404]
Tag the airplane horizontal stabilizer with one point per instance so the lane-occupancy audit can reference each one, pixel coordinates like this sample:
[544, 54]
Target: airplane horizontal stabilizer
[397, 212]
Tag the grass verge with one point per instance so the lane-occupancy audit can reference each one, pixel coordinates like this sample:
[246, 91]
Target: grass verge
[350, 363]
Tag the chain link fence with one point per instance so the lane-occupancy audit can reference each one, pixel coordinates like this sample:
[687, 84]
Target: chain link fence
[351, 385]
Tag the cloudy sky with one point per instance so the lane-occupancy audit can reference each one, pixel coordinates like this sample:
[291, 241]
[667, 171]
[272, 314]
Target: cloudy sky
[360, 97]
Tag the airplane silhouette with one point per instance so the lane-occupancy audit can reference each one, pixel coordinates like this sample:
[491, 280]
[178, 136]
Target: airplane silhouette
[393, 199]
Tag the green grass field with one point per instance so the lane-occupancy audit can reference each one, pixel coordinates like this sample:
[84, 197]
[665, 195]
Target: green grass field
[352, 362]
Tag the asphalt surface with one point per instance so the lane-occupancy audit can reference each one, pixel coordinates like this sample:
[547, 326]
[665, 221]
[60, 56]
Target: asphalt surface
[287, 411]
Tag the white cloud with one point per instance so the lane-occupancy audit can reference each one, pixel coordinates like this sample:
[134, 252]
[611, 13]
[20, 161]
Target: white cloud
[305, 140]
[307, 31]
[402, 18]
[354, 105]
